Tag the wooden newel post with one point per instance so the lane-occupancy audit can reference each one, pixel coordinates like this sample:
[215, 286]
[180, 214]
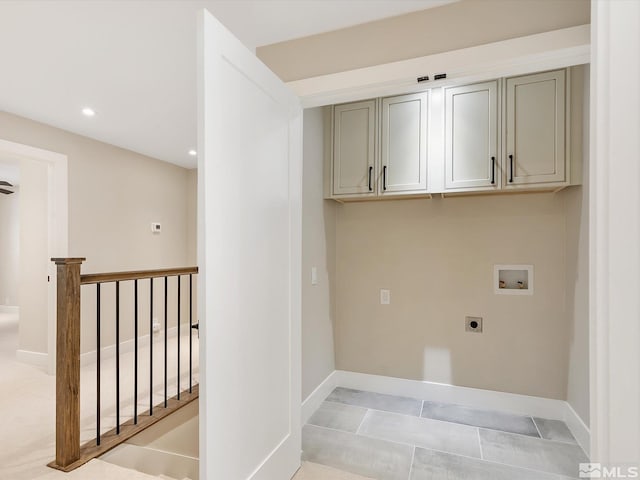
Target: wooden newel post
[68, 361]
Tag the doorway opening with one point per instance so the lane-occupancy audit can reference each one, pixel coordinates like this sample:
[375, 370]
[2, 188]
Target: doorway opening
[39, 184]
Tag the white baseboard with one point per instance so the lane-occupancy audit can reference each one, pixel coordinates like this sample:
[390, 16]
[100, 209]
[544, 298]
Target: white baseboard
[9, 309]
[37, 359]
[315, 398]
[126, 346]
[578, 428]
[438, 392]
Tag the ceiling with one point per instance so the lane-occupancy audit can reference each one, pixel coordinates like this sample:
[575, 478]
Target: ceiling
[134, 61]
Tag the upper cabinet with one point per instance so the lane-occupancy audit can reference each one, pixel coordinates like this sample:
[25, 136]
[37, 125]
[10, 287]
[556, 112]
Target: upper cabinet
[535, 129]
[517, 133]
[354, 148]
[380, 147]
[471, 137]
[403, 158]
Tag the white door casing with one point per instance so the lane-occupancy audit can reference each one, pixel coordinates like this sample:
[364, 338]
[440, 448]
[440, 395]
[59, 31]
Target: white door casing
[249, 248]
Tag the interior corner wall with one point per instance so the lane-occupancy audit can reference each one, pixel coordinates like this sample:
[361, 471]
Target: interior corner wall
[114, 195]
[318, 250]
[9, 248]
[577, 276]
[450, 27]
[437, 258]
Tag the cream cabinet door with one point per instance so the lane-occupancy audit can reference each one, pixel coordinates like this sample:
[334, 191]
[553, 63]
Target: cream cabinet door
[535, 129]
[404, 145]
[471, 137]
[354, 127]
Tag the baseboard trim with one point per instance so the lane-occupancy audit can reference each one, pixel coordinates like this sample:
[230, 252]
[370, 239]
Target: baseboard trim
[438, 392]
[126, 346]
[578, 428]
[37, 359]
[315, 398]
[9, 309]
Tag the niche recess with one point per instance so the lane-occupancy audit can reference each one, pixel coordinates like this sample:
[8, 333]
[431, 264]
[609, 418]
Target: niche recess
[513, 279]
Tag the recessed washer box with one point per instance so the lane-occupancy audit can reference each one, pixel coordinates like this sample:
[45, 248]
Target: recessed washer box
[513, 279]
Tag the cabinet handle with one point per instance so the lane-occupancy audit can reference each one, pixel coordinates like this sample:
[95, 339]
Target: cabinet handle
[370, 172]
[493, 170]
[510, 168]
[384, 177]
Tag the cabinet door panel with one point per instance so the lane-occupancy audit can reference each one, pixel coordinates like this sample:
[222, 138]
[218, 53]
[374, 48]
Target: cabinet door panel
[354, 148]
[471, 136]
[404, 144]
[535, 123]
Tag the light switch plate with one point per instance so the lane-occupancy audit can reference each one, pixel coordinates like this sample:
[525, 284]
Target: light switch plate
[314, 276]
[385, 296]
[156, 227]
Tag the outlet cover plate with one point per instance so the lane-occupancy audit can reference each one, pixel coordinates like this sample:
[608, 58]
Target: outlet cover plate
[473, 324]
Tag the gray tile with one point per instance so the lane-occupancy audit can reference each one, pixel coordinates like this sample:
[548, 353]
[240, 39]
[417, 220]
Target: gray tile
[448, 437]
[377, 401]
[534, 453]
[505, 422]
[431, 465]
[338, 416]
[365, 456]
[554, 430]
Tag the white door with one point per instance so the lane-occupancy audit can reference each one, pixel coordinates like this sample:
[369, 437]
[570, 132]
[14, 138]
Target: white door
[249, 221]
[354, 126]
[535, 129]
[404, 144]
[471, 136]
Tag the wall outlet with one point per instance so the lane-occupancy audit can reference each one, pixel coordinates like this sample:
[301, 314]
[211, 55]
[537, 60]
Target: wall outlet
[156, 227]
[156, 326]
[385, 296]
[473, 324]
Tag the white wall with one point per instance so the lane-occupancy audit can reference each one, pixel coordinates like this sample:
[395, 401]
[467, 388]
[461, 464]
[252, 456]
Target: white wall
[318, 250]
[34, 249]
[114, 195]
[9, 248]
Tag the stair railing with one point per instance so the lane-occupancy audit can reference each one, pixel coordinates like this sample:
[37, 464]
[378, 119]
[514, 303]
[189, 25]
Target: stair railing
[70, 454]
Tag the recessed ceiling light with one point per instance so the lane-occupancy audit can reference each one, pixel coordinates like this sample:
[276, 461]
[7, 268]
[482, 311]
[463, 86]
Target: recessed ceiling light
[88, 112]
[193, 153]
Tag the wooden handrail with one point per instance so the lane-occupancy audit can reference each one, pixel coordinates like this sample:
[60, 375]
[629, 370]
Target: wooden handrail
[69, 453]
[90, 278]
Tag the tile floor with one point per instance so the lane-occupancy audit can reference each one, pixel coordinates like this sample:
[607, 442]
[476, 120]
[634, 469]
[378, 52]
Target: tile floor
[387, 437]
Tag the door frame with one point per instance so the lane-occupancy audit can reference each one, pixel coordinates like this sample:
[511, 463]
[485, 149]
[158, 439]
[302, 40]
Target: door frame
[57, 231]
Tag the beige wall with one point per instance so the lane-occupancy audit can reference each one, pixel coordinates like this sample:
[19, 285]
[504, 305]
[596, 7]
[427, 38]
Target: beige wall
[318, 250]
[450, 27]
[437, 256]
[9, 248]
[114, 195]
[577, 282]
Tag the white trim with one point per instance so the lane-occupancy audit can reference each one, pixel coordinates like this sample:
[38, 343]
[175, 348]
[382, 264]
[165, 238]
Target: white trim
[126, 346]
[517, 56]
[37, 359]
[57, 223]
[578, 428]
[440, 392]
[9, 309]
[315, 398]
